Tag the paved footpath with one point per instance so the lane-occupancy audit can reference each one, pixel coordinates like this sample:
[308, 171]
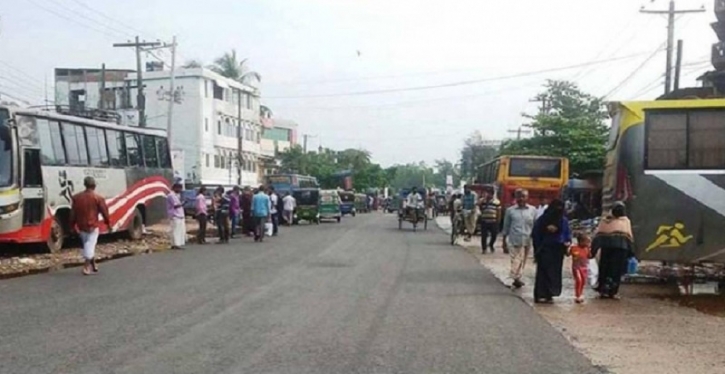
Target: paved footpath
[355, 297]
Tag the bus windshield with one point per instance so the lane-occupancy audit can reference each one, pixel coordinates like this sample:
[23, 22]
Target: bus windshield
[535, 168]
[6, 151]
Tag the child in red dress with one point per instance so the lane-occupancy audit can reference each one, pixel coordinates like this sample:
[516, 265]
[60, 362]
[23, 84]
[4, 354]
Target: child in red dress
[579, 263]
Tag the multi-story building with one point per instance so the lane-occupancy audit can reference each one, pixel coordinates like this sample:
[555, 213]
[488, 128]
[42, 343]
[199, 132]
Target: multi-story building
[278, 136]
[210, 115]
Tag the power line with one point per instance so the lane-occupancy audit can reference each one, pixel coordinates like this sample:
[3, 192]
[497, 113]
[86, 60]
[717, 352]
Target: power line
[69, 19]
[455, 84]
[636, 70]
[86, 6]
[81, 15]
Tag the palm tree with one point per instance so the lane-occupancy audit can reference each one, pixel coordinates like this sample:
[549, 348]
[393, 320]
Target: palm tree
[229, 66]
[192, 64]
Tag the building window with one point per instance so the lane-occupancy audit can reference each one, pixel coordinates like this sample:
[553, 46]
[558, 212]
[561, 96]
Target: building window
[693, 139]
[219, 127]
[206, 124]
[206, 156]
[218, 92]
[216, 161]
[206, 89]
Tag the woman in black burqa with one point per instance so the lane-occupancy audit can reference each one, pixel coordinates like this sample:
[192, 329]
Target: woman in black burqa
[551, 237]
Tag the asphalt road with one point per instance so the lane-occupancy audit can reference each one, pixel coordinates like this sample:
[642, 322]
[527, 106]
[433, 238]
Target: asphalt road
[355, 297]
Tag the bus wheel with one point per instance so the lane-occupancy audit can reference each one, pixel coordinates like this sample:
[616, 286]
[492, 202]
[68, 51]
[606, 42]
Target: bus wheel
[135, 230]
[56, 237]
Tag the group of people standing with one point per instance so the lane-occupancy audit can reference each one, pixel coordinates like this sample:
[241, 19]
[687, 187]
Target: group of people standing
[248, 210]
[546, 230]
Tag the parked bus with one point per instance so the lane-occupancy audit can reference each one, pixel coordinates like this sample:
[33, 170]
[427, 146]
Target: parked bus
[544, 177]
[666, 161]
[44, 157]
[289, 182]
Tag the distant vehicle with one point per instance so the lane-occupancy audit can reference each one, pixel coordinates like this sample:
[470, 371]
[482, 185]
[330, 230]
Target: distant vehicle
[308, 205]
[283, 183]
[544, 177]
[347, 203]
[330, 205]
[44, 157]
[666, 161]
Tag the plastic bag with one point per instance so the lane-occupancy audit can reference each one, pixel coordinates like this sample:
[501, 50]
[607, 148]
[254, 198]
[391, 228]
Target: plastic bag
[268, 228]
[593, 273]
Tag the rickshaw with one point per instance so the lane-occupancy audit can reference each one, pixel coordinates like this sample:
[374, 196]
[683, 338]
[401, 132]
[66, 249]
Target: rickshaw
[361, 203]
[413, 216]
[347, 203]
[308, 205]
[330, 205]
[441, 203]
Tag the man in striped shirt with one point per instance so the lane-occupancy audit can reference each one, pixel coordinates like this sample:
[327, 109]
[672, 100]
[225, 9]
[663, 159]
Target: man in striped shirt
[490, 217]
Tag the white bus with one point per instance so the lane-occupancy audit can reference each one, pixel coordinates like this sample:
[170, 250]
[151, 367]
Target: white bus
[44, 157]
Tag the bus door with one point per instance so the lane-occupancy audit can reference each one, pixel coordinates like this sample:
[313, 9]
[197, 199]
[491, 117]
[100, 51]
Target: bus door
[32, 187]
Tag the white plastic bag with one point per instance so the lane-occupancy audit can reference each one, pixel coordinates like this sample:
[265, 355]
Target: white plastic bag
[268, 228]
[593, 272]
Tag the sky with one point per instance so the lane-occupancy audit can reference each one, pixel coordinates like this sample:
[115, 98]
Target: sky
[324, 63]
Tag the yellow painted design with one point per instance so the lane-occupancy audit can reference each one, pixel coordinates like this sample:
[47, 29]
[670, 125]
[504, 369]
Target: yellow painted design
[670, 237]
[10, 192]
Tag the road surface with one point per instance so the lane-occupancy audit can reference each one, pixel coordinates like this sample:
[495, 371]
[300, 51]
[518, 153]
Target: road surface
[355, 297]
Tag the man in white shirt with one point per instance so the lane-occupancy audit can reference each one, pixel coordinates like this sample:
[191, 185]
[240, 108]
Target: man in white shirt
[289, 203]
[413, 202]
[273, 200]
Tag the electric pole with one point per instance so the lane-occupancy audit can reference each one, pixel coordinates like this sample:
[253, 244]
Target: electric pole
[140, 98]
[519, 131]
[240, 138]
[678, 64]
[304, 142]
[172, 97]
[671, 13]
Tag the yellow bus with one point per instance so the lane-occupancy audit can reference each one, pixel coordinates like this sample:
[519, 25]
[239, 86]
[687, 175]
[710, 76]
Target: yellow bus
[544, 177]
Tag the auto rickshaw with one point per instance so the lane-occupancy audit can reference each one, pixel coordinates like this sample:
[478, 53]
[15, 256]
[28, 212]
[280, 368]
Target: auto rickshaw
[361, 203]
[330, 205]
[347, 203]
[308, 205]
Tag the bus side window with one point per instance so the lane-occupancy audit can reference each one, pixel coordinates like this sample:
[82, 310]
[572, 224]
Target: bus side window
[151, 159]
[75, 144]
[116, 148]
[51, 146]
[97, 146]
[162, 146]
[133, 150]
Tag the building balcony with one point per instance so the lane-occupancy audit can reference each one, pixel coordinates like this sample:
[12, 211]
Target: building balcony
[720, 10]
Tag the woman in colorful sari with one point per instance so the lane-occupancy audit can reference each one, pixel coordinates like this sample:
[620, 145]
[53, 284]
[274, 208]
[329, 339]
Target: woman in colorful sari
[614, 239]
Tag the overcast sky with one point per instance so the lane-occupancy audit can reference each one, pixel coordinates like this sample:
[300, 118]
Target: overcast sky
[307, 48]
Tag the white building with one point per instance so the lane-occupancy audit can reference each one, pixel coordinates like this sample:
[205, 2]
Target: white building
[278, 136]
[207, 117]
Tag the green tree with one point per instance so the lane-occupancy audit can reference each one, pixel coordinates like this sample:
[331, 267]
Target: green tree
[230, 66]
[570, 125]
[444, 168]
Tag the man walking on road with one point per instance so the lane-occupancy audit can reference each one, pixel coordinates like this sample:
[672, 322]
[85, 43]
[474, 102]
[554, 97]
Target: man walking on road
[201, 214]
[177, 220]
[234, 210]
[274, 203]
[289, 203]
[86, 208]
[470, 211]
[490, 218]
[517, 225]
[261, 210]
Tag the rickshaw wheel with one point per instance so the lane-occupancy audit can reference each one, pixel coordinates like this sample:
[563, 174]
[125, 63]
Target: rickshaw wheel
[425, 224]
[400, 224]
[454, 229]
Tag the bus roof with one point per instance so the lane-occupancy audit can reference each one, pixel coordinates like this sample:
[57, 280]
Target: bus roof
[86, 121]
[635, 109]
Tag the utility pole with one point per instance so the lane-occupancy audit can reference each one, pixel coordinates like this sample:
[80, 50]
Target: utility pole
[240, 139]
[102, 89]
[671, 13]
[678, 64]
[140, 98]
[304, 142]
[519, 131]
[169, 119]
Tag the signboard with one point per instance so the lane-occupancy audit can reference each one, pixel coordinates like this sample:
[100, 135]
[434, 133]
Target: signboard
[177, 163]
[279, 179]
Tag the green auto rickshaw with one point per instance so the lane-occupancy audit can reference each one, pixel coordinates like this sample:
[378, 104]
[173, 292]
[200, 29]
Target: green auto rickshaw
[308, 205]
[361, 203]
[330, 205]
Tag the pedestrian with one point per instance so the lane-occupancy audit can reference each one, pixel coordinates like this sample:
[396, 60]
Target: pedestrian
[518, 221]
[490, 218]
[614, 238]
[201, 214]
[274, 213]
[177, 219]
[290, 204]
[246, 205]
[221, 214]
[261, 211]
[85, 209]
[579, 264]
[234, 210]
[470, 211]
[552, 238]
